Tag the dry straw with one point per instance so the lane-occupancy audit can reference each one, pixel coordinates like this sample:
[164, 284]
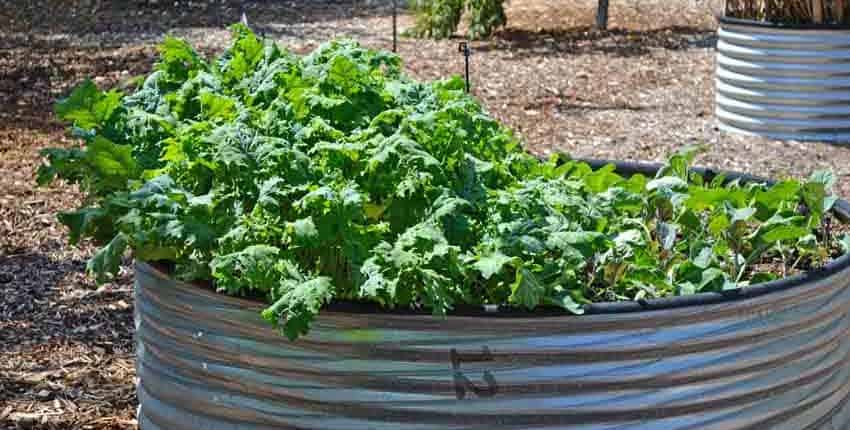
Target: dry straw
[790, 11]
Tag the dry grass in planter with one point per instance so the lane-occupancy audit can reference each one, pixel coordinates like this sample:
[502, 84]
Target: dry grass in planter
[790, 11]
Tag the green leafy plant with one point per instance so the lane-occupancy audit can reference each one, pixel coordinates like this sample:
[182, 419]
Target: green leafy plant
[436, 19]
[485, 16]
[439, 19]
[333, 176]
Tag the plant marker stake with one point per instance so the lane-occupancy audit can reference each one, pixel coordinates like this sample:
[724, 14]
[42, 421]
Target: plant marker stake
[395, 25]
[464, 48]
[244, 21]
[602, 15]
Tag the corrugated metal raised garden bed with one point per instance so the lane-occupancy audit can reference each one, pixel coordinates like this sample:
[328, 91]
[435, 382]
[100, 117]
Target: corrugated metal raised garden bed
[774, 356]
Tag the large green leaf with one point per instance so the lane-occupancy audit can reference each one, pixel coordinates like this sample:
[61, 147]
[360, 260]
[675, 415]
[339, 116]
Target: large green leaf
[299, 304]
[107, 260]
[667, 184]
[87, 222]
[112, 165]
[492, 263]
[88, 108]
[526, 291]
[784, 233]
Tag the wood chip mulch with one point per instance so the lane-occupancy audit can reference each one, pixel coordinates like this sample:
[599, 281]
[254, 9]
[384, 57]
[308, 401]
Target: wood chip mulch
[636, 92]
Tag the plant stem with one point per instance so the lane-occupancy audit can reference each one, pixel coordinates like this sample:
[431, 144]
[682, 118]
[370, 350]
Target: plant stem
[733, 242]
[796, 262]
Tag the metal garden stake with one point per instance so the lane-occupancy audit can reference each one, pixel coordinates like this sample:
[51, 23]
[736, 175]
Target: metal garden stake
[602, 15]
[464, 48]
[395, 25]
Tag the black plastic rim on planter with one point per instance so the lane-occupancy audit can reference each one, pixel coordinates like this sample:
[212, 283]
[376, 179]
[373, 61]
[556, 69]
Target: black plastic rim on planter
[772, 356]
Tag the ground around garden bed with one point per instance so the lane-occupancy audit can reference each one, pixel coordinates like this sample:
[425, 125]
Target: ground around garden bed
[636, 92]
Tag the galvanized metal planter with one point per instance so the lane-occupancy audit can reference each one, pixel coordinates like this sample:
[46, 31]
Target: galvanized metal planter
[775, 356]
[783, 82]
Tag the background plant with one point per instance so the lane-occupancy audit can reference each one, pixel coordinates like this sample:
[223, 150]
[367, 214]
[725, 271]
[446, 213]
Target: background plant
[439, 19]
[333, 176]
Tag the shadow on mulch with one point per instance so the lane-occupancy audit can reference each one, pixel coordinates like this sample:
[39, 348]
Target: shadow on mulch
[586, 40]
[581, 105]
[580, 108]
[145, 17]
[37, 310]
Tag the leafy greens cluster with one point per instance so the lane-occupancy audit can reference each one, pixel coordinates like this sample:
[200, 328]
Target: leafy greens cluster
[440, 19]
[333, 176]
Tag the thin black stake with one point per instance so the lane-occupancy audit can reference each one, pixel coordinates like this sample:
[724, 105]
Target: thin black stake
[464, 48]
[602, 15]
[395, 25]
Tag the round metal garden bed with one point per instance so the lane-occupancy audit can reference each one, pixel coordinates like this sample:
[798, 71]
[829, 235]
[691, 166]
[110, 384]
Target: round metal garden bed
[784, 82]
[774, 356]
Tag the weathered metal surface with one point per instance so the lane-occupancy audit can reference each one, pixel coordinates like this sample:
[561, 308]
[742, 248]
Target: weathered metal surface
[775, 356]
[784, 83]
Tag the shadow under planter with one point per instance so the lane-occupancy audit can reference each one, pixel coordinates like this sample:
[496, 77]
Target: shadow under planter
[770, 356]
[783, 81]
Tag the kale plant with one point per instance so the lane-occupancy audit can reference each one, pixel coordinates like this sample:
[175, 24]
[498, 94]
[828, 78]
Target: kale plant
[334, 176]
